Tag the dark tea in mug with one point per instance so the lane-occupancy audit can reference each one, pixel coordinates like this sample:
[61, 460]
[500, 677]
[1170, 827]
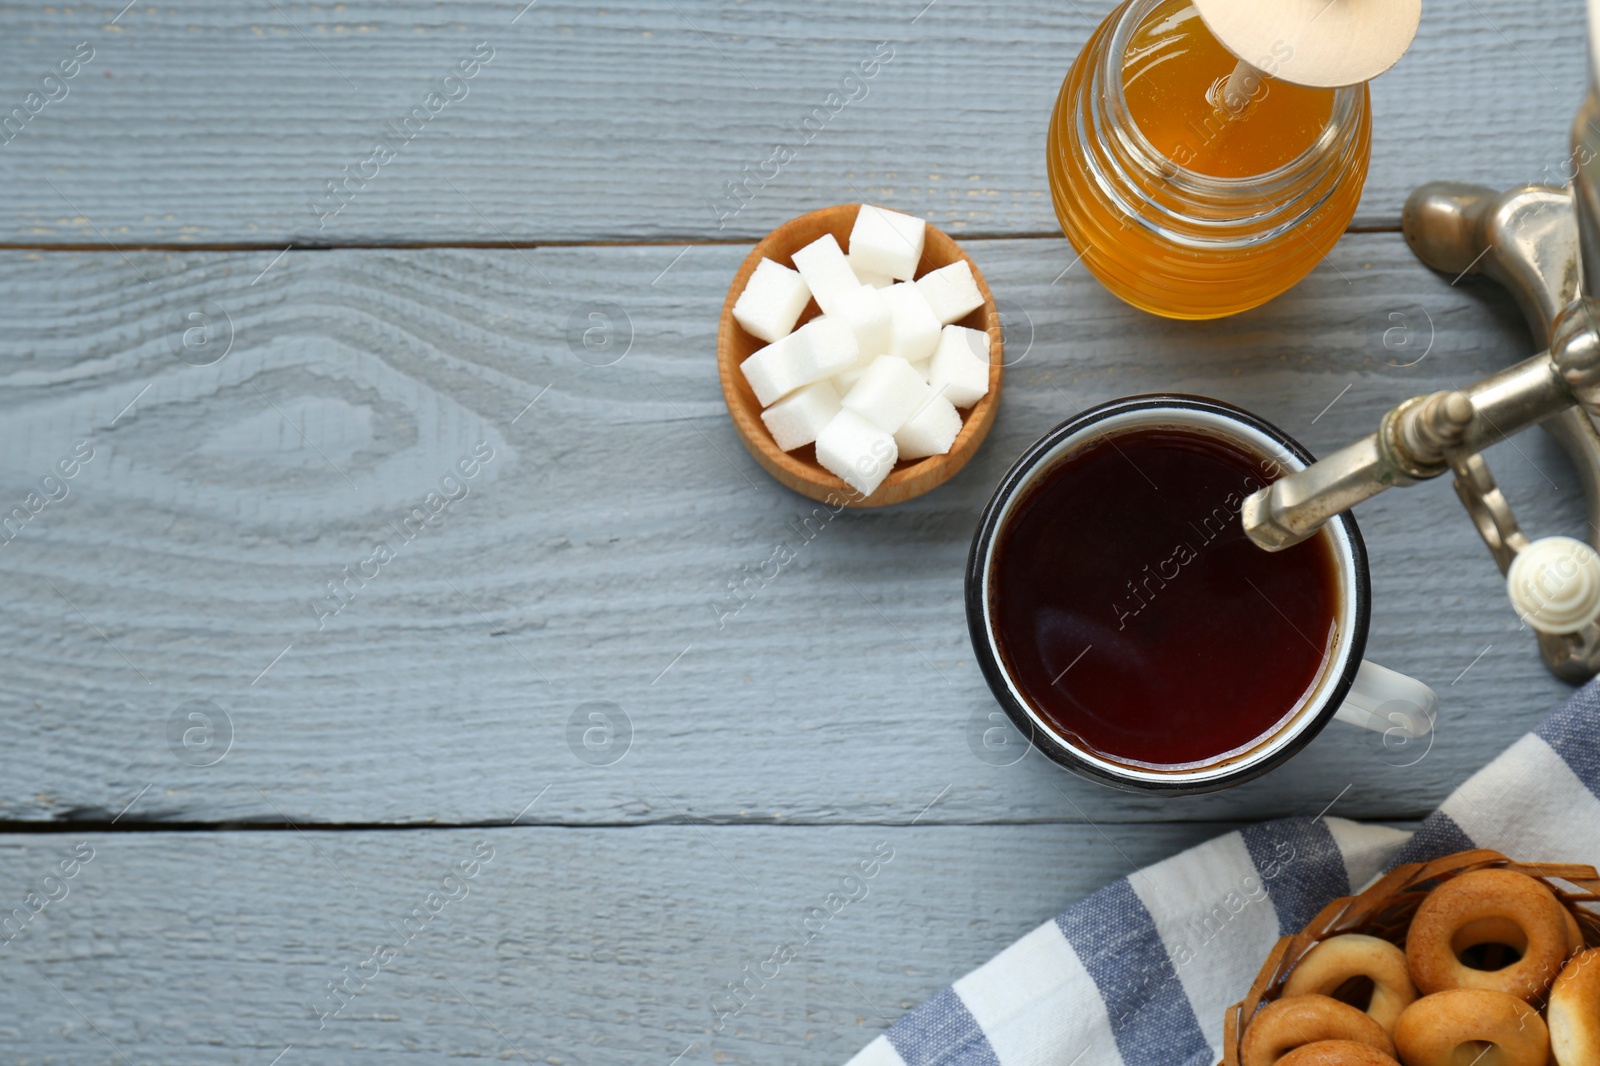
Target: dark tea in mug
[1138, 620]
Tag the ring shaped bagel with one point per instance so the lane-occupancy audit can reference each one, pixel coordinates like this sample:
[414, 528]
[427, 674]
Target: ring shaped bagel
[1575, 941]
[1574, 1013]
[1488, 907]
[1336, 1053]
[1337, 959]
[1450, 1028]
[1286, 1024]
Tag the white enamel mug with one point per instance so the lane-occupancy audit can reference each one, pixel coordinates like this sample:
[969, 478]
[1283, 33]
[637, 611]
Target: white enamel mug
[1347, 689]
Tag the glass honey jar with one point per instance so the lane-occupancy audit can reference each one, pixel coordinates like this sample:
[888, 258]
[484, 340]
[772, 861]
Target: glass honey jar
[1194, 185]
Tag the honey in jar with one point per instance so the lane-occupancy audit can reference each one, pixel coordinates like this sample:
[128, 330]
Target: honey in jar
[1194, 185]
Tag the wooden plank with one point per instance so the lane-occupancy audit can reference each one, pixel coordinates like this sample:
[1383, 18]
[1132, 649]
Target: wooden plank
[597, 945]
[591, 556]
[201, 123]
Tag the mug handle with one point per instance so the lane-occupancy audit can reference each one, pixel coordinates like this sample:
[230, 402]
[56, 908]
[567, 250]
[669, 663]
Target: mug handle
[1385, 701]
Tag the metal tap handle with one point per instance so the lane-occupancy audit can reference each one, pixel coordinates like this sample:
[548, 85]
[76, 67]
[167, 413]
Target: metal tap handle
[1426, 435]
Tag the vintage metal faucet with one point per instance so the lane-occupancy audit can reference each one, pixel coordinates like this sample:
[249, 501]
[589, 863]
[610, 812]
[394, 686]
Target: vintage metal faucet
[1543, 244]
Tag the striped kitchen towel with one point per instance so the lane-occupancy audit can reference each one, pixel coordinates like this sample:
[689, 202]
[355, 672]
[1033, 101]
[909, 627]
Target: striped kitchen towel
[1141, 972]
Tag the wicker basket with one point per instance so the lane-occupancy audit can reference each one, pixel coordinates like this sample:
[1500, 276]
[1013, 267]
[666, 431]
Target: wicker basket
[1385, 911]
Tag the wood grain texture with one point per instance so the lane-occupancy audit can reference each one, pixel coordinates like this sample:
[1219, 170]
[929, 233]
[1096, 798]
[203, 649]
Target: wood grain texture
[254, 427]
[567, 946]
[201, 123]
[189, 560]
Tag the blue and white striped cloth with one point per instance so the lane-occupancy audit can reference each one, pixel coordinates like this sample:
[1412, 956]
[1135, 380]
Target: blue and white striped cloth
[1141, 972]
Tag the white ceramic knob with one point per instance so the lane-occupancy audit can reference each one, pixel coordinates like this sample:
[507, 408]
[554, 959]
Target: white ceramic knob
[1321, 43]
[1554, 585]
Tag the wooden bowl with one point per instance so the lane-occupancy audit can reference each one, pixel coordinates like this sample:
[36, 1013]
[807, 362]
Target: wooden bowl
[1385, 909]
[799, 469]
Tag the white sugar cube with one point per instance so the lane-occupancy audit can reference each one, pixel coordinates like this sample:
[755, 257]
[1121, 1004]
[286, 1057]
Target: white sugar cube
[867, 313]
[868, 277]
[826, 271]
[929, 431]
[771, 301]
[854, 449]
[924, 367]
[819, 349]
[951, 291]
[887, 242]
[960, 371]
[888, 393]
[915, 328]
[845, 379]
[831, 346]
[796, 419]
[775, 369]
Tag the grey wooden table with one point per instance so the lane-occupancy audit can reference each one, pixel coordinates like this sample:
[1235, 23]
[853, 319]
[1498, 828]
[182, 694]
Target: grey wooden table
[254, 380]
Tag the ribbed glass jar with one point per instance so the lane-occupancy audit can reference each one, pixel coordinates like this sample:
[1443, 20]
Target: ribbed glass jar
[1181, 230]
